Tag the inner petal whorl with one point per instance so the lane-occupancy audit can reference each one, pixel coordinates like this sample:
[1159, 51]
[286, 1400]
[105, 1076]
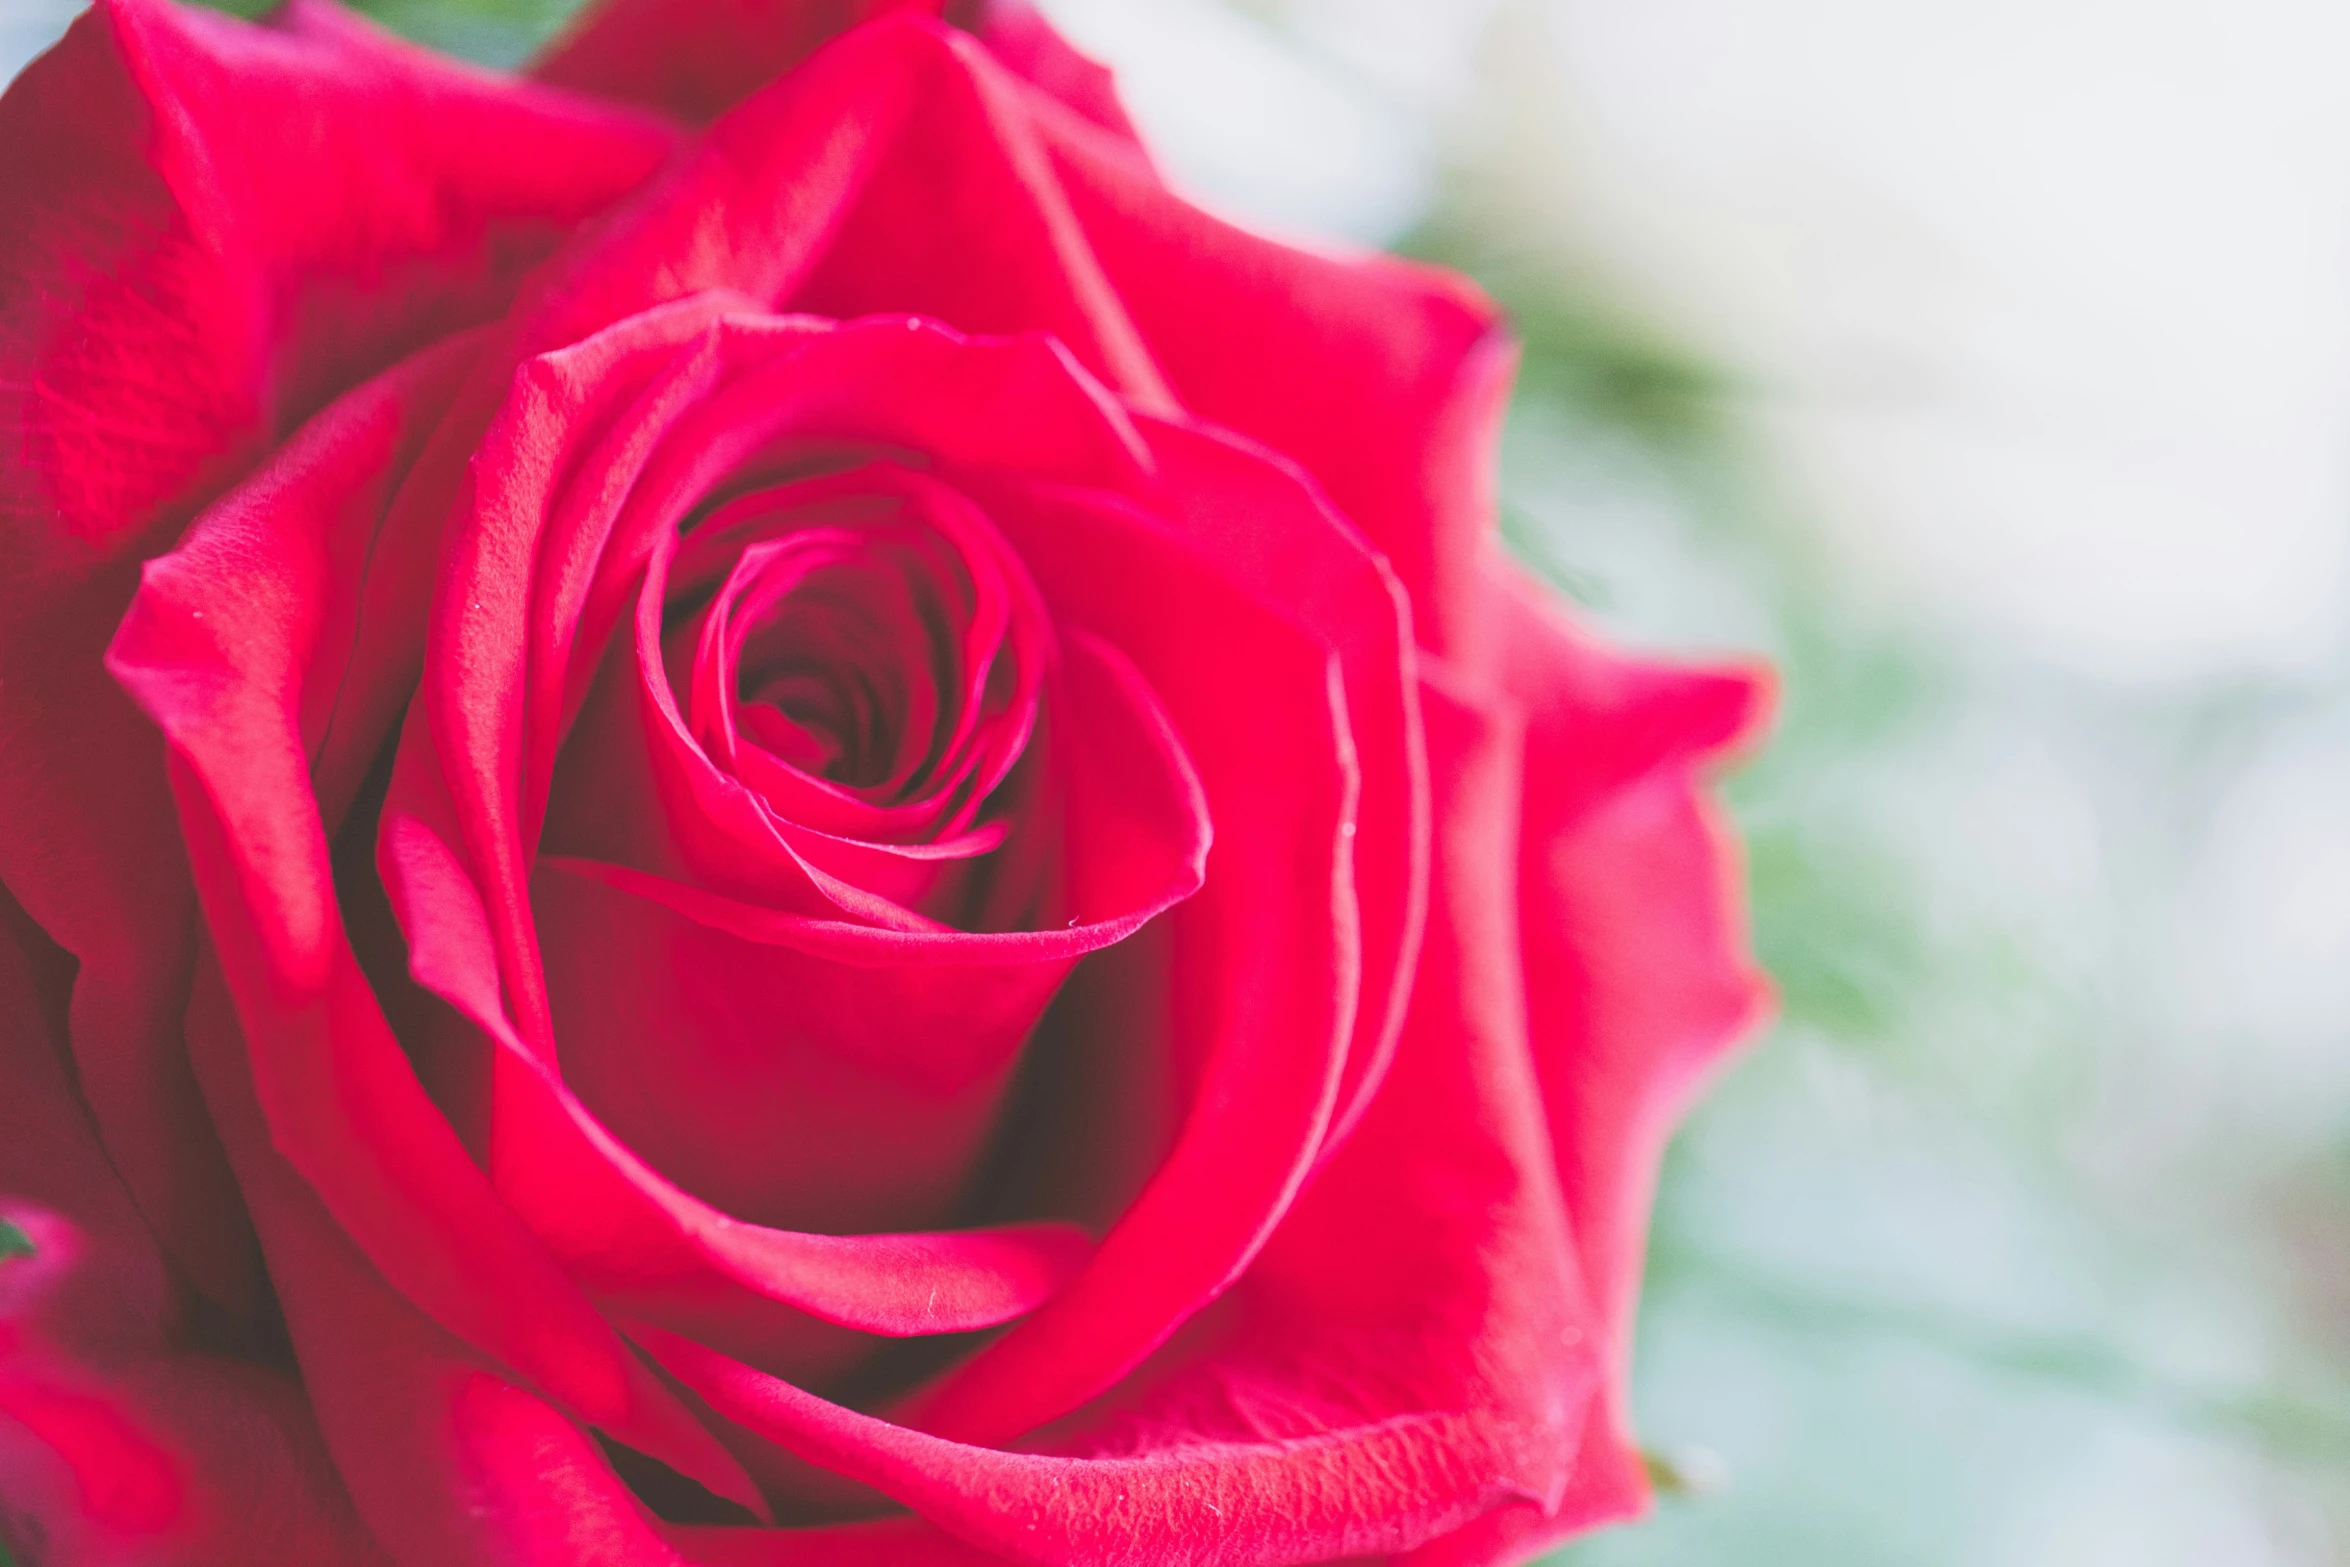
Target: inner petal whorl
[865, 655]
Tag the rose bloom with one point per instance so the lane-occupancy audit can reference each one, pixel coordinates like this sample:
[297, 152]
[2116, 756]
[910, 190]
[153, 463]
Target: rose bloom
[751, 814]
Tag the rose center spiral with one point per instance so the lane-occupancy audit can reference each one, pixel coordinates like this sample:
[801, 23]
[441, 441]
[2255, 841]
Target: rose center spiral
[867, 656]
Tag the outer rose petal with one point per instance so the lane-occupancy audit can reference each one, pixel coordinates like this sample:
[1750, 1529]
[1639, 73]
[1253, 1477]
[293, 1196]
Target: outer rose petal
[451, 1463]
[1264, 963]
[118, 1294]
[1383, 379]
[698, 58]
[1638, 976]
[1266, 524]
[832, 189]
[206, 226]
[117, 1446]
[180, 1460]
[1016, 33]
[212, 223]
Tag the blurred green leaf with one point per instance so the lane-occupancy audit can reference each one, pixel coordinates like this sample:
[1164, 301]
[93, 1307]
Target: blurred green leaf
[496, 33]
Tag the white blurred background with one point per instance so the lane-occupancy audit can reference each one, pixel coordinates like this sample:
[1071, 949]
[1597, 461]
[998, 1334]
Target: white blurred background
[1989, 367]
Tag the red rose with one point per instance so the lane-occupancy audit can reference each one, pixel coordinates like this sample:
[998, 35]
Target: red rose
[753, 815]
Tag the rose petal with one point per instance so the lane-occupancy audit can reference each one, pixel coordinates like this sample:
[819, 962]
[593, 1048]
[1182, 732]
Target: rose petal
[1411, 340]
[1385, 380]
[213, 222]
[1412, 1349]
[490, 619]
[1340, 1494]
[621, 386]
[1504, 1537]
[836, 1076]
[936, 385]
[449, 1460]
[218, 647]
[504, 680]
[1268, 527]
[886, 1542]
[832, 189]
[115, 1294]
[1265, 964]
[452, 1463]
[116, 1445]
[1017, 34]
[1248, 1188]
[620, 943]
[699, 58]
[651, 776]
[207, 226]
[1638, 973]
[1429, 1265]
[180, 1460]
[860, 387]
[969, 176]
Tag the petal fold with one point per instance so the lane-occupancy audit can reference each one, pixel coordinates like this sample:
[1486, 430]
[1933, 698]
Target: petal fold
[208, 228]
[1638, 973]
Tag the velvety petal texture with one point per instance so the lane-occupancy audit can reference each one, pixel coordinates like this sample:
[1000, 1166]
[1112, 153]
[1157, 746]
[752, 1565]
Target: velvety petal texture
[128, 1433]
[750, 814]
[209, 229]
